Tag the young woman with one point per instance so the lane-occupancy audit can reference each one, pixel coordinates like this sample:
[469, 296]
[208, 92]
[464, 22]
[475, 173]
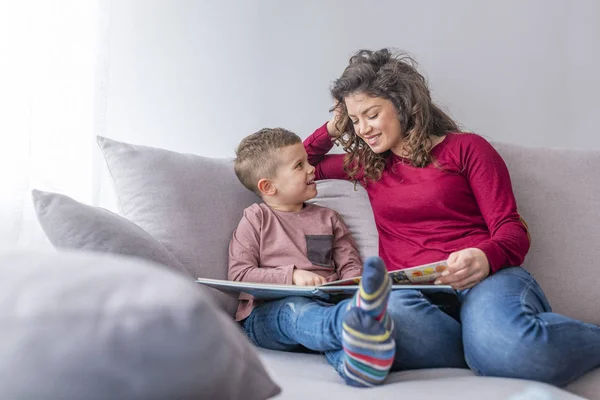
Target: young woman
[438, 194]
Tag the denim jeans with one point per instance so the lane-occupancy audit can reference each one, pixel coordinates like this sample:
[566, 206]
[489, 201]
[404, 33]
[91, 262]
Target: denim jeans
[299, 323]
[505, 328]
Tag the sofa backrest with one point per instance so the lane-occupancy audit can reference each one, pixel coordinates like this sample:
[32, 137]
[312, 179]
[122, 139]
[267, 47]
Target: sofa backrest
[558, 195]
[192, 204]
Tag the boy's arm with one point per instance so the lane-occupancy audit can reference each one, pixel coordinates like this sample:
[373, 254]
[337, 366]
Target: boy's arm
[345, 252]
[244, 256]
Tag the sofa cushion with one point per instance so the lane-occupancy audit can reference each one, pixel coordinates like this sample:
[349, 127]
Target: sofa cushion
[557, 192]
[352, 203]
[97, 326]
[69, 224]
[588, 386]
[303, 375]
[190, 204]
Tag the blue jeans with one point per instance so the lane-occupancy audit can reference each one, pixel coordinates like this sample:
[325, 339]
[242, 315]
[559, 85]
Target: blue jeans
[297, 324]
[505, 327]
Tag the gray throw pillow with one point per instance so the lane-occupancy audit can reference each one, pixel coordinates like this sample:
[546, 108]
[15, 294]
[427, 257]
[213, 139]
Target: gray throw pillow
[352, 203]
[69, 224]
[190, 204]
[99, 326]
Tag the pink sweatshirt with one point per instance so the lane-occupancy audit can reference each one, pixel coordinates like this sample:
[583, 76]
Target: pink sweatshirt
[424, 214]
[269, 245]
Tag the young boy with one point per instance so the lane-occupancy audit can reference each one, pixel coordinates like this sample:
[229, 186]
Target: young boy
[286, 241]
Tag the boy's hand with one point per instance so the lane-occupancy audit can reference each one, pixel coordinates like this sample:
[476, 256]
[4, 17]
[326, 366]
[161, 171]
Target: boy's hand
[466, 268]
[302, 277]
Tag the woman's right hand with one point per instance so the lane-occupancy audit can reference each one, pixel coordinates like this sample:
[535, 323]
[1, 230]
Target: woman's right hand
[302, 277]
[333, 122]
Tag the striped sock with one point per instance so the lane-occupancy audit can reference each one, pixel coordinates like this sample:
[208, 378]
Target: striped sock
[374, 290]
[369, 349]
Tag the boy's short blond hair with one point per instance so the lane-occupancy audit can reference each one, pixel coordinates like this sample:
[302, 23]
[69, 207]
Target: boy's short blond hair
[256, 156]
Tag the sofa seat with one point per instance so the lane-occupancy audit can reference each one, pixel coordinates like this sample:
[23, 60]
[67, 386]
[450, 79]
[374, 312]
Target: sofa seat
[309, 376]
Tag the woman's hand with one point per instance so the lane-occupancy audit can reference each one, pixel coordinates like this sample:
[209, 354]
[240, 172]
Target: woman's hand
[302, 277]
[466, 268]
[332, 124]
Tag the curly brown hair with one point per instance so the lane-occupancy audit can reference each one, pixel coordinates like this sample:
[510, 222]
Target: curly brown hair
[392, 76]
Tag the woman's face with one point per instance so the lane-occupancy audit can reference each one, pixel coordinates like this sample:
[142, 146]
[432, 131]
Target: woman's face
[375, 121]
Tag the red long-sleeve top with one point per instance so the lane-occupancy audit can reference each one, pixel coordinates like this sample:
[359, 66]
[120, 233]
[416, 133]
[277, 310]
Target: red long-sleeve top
[464, 199]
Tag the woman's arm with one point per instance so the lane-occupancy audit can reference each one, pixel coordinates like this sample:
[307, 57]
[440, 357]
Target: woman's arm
[509, 240]
[317, 146]
[490, 181]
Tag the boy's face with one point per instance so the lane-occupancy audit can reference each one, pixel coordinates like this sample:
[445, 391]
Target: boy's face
[294, 180]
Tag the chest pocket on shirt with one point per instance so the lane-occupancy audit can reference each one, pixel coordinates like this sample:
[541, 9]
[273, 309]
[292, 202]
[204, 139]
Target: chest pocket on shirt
[319, 249]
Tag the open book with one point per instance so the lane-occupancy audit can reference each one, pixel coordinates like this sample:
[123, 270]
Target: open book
[420, 277]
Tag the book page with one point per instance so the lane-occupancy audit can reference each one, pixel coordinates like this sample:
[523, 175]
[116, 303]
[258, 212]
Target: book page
[419, 275]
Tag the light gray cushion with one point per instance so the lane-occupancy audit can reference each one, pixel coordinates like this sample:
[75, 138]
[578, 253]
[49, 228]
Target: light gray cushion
[588, 386]
[304, 376]
[557, 192]
[69, 224]
[352, 203]
[190, 204]
[97, 326]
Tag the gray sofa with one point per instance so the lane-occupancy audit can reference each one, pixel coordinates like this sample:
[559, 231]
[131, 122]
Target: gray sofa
[187, 206]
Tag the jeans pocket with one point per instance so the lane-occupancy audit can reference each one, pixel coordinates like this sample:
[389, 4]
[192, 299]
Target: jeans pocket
[319, 249]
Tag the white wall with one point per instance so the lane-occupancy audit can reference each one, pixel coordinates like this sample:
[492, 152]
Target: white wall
[197, 76]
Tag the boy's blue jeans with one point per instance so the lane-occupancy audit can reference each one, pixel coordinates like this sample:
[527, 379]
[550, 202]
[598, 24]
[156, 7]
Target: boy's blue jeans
[299, 323]
[504, 327]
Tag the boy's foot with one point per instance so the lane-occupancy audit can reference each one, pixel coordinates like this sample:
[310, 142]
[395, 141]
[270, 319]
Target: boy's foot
[369, 349]
[374, 291]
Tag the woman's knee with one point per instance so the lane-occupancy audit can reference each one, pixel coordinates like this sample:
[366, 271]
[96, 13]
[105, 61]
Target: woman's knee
[511, 358]
[514, 351]
[509, 299]
[502, 335]
[404, 304]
